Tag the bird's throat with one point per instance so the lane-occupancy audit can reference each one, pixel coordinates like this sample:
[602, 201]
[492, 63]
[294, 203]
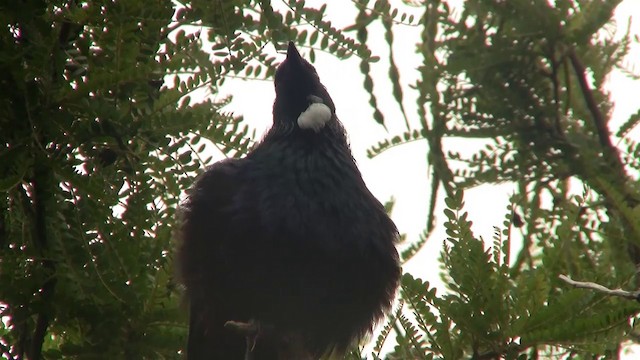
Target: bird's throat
[315, 117]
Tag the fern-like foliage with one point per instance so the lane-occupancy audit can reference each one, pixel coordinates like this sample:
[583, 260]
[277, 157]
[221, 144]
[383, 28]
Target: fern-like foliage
[525, 80]
[490, 311]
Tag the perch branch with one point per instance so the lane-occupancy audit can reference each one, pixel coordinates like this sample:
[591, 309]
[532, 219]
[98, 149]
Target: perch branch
[250, 328]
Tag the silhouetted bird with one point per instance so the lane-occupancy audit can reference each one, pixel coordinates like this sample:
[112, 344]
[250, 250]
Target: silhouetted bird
[289, 237]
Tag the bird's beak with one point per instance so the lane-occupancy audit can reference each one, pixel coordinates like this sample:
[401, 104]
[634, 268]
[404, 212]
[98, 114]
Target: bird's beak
[292, 52]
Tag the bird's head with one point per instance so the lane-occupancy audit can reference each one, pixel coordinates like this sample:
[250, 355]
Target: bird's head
[301, 99]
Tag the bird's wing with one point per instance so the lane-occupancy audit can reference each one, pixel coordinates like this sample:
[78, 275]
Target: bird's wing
[205, 229]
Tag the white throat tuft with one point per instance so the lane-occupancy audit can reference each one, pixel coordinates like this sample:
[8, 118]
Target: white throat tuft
[316, 115]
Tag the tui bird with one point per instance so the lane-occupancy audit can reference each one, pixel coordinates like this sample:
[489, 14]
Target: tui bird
[288, 238]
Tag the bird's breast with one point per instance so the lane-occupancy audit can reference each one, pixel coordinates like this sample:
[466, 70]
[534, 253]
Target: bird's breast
[312, 196]
[327, 178]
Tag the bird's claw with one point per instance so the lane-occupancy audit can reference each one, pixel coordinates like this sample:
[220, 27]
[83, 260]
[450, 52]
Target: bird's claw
[251, 332]
[252, 339]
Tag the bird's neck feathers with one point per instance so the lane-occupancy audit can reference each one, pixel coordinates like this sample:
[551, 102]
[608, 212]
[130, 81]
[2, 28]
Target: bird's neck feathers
[304, 118]
[289, 134]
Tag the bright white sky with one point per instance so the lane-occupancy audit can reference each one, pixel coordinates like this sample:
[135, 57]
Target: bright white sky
[402, 172]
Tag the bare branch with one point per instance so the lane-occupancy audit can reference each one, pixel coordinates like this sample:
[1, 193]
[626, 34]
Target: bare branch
[598, 118]
[631, 295]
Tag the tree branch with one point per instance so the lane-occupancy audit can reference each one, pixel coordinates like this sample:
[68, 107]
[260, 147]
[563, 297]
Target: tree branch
[598, 118]
[631, 295]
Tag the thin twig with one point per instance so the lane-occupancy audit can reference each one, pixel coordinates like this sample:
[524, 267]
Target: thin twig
[631, 295]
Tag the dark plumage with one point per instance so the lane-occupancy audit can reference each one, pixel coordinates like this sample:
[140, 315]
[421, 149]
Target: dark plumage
[289, 236]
